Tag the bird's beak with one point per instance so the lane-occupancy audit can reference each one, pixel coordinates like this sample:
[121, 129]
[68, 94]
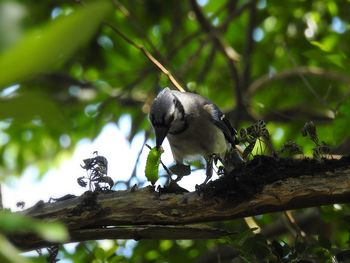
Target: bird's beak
[161, 133]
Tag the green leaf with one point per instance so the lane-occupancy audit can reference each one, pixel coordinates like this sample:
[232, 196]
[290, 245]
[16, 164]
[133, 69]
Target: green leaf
[10, 222]
[54, 232]
[28, 106]
[321, 46]
[49, 46]
[258, 246]
[8, 253]
[300, 246]
[338, 58]
[100, 253]
[152, 165]
[342, 122]
[13, 223]
[241, 237]
[324, 242]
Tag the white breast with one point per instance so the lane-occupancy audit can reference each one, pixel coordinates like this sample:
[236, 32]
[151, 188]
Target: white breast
[200, 139]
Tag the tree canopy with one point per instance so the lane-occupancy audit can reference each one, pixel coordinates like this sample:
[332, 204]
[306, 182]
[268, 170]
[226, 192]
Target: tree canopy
[69, 68]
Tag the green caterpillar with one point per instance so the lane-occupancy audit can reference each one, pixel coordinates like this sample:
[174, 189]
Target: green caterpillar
[152, 164]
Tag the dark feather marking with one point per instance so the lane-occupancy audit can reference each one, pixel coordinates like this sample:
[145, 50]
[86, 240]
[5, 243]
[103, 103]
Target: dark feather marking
[221, 122]
[179, 107]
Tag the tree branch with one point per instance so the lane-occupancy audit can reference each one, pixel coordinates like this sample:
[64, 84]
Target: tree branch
[30, 242]
[261, 186]
[229, 53]
[263, 80]
[301, 113]
[232, 15]
[249, 45]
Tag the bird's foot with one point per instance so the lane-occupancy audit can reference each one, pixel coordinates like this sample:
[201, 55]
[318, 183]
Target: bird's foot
[199, 188]
[172, 188]
[221, 170]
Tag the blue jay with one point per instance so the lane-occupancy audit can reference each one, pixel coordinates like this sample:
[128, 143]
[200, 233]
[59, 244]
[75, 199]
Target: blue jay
[194, 127]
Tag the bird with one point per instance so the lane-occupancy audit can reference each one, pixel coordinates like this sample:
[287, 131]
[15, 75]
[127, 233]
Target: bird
[194, 126]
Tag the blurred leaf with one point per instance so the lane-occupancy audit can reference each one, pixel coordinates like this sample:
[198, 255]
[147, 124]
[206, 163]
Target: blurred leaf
[16, 223]
[241, 237]
[300, 246]
[28, 106]
[323, 255]
[258, 246]
[342, 122]
[337, 58]
[324, 242]
[100, 253]
[332, 7]
[54, 232]
[11, 222]
[49, 46]
[321, 46]
[8, 253]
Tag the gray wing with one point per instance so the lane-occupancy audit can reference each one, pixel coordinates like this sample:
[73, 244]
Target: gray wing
[217, 116]
[219, 119]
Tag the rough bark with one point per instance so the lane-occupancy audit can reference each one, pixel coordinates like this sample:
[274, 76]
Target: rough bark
[146, 214]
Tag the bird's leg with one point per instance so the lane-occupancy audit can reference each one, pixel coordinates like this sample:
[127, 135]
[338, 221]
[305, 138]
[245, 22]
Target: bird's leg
[178, 178]
[209, 168]
[171, 186]
[219, 164]
[209, 173]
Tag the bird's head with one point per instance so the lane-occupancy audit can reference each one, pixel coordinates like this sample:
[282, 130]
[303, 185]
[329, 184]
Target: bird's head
[166, 114]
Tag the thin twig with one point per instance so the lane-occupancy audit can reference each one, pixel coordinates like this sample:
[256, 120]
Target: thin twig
[207, 65]
[149, 56]
[192, 58]
[237, 12]
[252, 224]
[187, 39]
[307, 83]
[293, 225]
[133, 174]
[135, 24]
[300, 113]
[208, 28]
[299, 70]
